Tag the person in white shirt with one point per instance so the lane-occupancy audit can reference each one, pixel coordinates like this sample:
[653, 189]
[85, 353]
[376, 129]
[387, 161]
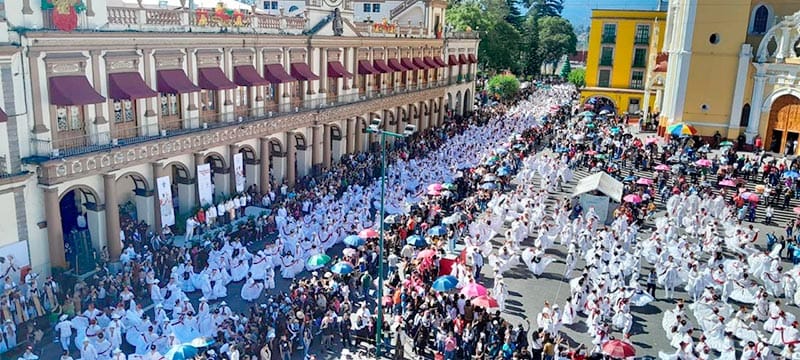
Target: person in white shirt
[88, 351]
[153, 354]
[64, 328]
[211, 215]
[191, 223]
[65, 356]
[221, 212]
[119, 355]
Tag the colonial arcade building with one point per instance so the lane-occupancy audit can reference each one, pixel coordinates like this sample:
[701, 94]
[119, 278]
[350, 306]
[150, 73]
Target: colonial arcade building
[133, 93]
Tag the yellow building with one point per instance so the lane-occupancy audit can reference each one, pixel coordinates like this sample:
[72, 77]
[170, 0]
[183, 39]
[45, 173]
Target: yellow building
[623, 47]
[733, 69]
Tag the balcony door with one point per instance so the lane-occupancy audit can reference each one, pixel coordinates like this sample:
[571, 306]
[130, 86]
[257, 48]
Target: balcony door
[241, 101]
[125, 125]
[209, 107]
[170, 111]
[70, 127]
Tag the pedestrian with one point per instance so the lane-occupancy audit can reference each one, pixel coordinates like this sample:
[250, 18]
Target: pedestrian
[652, 277]
[768, 212]
[477, 263]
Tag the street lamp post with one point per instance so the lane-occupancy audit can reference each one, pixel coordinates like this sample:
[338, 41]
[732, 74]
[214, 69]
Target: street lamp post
[374, 128]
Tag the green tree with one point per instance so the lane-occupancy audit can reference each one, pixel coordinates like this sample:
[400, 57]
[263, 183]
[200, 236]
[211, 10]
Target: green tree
[544, 8]
[467, 15]
[514, 17]
[504, 86]
[531, 61]
[499, 47]
[577, 77]
[556, 39]
[566, 69]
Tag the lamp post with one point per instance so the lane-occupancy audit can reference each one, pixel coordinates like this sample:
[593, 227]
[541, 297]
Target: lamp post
[374, 128]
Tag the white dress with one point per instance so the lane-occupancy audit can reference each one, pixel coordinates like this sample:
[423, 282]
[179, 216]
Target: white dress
[536, 261]
[251, 290]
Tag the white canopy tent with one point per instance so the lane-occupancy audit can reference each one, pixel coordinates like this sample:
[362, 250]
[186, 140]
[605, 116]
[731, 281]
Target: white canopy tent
[601, 192]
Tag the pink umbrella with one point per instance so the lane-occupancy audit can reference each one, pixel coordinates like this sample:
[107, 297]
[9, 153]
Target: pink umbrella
[434, 193]
[632, 198]
[662, 167]
[753, 198]
[591, 152]
[796, 210]
[473, 290]
[703, 162]
[651, 140]
[644, 181]
[427, 253]
[368, 234]
[435, 187]
[727, 182]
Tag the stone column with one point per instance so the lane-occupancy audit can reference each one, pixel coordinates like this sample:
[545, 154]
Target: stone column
[326, 146]
[291, 156]
[756, 103]
[198, 160]
[157, 171]
[99, 119]
[351, 135]
[38, 126]
[233, 149]
[359, 143]
[346, 83]
[112, 216]
[147, 62]
[55, 236]
[264, 161]
[190, 72]
[659, 97]
[316, 149]
[323, 70]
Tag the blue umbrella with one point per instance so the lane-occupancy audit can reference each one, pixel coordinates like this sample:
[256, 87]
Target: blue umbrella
[489, 186]
[792, 174]
[586, 114]
[503, 171]
[629, 178]
[615, 130]
[342, 268]
[181, 352]
[354, 241]
[201, 342]
[416, 240]
[445, 283]
[437, 231]
[519, 146]
[501, 151]
[491, 162]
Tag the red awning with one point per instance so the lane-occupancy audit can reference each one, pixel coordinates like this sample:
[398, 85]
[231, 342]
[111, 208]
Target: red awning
[337, 70]
[396, 65]
[247, 75]
[462, 59]
[302, 72]
[365, 68]
[420, 64]
[439, 61]
[429, 61]
[73, 90]
[275, 74]
[472, 59]
[174, 82]
[408, 64]
[452, 60]
[212, 78]
[380, 65]
[3, 116]
[128, 86]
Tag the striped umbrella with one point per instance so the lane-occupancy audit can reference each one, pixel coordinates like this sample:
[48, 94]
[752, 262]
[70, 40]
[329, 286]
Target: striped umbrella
[681, 129]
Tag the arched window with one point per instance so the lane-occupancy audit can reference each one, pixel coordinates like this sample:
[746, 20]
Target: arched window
[760, 20]
[292, 8]
[745, 120]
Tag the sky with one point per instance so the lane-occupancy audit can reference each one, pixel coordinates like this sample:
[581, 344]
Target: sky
[579, 11]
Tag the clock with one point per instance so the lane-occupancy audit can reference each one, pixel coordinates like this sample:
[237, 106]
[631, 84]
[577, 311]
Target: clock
[333, 3]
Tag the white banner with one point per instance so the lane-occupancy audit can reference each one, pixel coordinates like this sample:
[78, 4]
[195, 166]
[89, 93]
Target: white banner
[204, 186]
[238, 168]
[165, 201]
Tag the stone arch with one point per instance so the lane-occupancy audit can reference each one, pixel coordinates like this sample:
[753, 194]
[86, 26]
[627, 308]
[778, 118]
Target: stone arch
[298, 140]
[216, 160]
[276, 147]
[86, 189]
[391, 119]
[248, 154]
[467, 101]
[771, 98]
[783, 127]
[80, 201]
[601, 99]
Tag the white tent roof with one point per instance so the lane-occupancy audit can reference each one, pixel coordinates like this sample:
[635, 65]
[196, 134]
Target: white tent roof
[601, 182]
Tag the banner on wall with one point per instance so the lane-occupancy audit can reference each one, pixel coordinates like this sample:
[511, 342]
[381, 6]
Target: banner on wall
[204, 187]
[238, 168]
[165, 201]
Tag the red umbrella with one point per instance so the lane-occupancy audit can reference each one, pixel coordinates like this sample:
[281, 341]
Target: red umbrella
[473, 290]
[591, 152]
[632, 198]
[368, 234]
[427, 253]
[618, 349]
[485, 301]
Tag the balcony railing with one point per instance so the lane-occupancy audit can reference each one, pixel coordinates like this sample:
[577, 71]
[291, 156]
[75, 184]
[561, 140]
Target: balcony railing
[606, 61]
[609, 39]
[103, 141]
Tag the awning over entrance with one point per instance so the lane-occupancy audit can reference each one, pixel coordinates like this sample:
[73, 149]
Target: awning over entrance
[337, 70]
[408, 64]
[462, 59]
[380, 65]
[365, 68]
[396, 65]
[247, 75]
[452, 60]
[439, 61]
[174, 82]
[420, 64]
[429, 61]
[275, 74]
[301, 71]
[73, 90]
[472, 59]
[128, 86]
[212, 78]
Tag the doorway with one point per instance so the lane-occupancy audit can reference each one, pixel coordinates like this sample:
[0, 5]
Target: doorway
[791, 143]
